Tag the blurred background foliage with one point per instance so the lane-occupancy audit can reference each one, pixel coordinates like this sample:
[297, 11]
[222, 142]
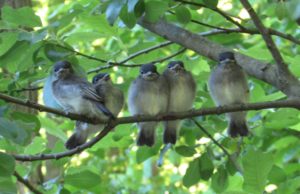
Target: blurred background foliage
[32, 38]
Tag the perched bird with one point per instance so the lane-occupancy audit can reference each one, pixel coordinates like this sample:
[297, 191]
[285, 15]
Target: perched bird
[228, 85]
[114, 101]
[76, 94]
[181, 97]
[148, 95]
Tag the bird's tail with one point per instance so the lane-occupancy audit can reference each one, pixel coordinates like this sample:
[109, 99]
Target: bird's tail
[79, 137]
[238, 125]
[146, 134]
[170, 132]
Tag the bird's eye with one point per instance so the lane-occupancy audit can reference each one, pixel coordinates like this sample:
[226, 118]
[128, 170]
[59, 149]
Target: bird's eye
[142, 72]
[56, 69]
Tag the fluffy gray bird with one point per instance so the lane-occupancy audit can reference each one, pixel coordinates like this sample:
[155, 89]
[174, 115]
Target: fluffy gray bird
[148, 95]
[228, 85]
[76, 94]
[114, 100]
[181, 97]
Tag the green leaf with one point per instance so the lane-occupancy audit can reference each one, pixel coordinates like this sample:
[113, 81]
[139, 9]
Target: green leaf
[206, 167]
[277, 175]
[183, 14]
[144, 152]
[7, 186]
[139, 8]
[36, 146]
[281, 119]
[281, 10]
[13, 131]
[131, 5]
[113, 10]
[192, 174]
[24, 16]
[7, 165]
[128, 17]
[7, 40]
[185, 151]
[200, 168]
[83, 180]
[155, 9]
[56, 53]
[211, 3]
[31, 120]
[220, 180]
[257, 166]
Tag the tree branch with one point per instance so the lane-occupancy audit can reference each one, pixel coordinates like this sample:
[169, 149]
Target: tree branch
[291, 103]
[134, 65]
[145, 51]
[26, 183]
[215, 9]
[265, 34]
[42, 108]
[207, 48]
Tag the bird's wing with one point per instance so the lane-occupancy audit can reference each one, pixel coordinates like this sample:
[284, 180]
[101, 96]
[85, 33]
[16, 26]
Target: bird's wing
[91, 94]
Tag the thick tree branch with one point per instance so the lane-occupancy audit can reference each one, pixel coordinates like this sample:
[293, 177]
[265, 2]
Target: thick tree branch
[265, 34]
[207, 48]
[26, 183]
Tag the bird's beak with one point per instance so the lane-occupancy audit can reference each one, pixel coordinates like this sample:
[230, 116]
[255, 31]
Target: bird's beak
[176, 68]
[227, 60]
[106, 77]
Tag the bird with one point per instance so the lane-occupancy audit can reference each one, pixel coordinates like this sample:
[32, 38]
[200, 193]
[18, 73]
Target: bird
[114, 101]
[76, 95]
[181, 96]
[148, 95]
[228, 86]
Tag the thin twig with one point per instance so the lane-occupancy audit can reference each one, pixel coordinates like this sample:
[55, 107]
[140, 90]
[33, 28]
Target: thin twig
[230, 157]
[26, 183]
[240, 29]
[71, 152]
[266, 36]
[215, 9]
[82, 54]
[145, 51]
[134, 65]
[23, 89]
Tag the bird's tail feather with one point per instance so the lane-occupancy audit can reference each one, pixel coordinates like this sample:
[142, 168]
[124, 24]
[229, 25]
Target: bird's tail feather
[238, 128]
[146, 134]
[75, 140]
[170, 132]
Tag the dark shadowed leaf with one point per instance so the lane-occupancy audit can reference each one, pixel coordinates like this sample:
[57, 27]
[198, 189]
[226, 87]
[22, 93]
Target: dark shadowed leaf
[154, 10]
[7, 165]
[185, 151]
[183, 14]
